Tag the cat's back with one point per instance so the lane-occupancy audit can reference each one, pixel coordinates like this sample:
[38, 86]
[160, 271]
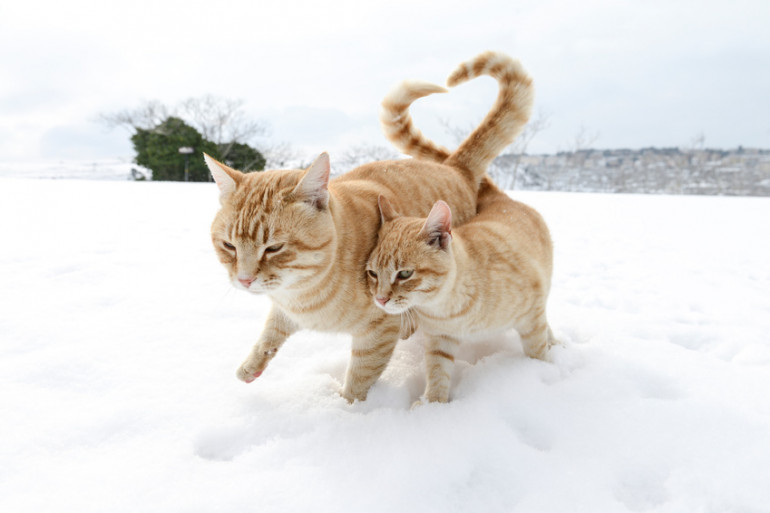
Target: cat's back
[411, 185]
[504, 227]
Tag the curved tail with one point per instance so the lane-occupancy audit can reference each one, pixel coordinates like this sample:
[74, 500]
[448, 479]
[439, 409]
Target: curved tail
[499, 128]
[508, 116]
[397, 122]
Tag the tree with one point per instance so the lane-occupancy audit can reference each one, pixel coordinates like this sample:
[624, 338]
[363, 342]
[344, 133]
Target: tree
[363, 153]
[241, 156]
[505, 168]
[282, 155]
[157, 148]
[218, 120]
[519, 146]
[147, 116]
[576, 155]
[222, 121]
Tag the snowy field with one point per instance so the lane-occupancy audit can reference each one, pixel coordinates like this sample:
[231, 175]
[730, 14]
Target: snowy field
[99, 169]
[120, 337]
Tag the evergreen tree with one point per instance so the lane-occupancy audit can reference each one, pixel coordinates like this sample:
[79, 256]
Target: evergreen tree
[158, 149]
[242, 157]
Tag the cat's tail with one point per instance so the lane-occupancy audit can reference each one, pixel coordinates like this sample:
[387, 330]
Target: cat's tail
[508, 116]
[499, 128]
[397, 122]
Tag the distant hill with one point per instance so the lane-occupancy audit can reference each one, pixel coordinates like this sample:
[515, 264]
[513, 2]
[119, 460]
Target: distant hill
[738, 172]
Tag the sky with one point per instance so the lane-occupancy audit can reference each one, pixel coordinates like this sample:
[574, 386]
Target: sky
[627, 73]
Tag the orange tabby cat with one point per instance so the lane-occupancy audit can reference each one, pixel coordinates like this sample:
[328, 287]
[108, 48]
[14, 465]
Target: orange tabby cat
[304, 240]
[488, 275]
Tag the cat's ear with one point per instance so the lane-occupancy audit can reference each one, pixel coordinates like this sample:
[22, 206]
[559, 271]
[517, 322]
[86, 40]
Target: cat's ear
[437, 229]
[313, 187]
[227, 178]
[387, 213]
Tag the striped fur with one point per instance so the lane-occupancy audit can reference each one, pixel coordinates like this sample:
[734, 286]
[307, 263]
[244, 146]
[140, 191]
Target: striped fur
[491, 274]
[499, 128]
[397, 122]
[304, 240]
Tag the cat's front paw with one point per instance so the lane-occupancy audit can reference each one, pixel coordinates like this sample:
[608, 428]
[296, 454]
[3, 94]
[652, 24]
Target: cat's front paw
[246, 373]
[255, 364]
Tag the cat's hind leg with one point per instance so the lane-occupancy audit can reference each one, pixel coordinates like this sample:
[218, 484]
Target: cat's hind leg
[440, 351]
[536, 335]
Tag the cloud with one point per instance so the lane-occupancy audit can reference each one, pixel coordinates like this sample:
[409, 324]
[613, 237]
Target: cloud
[631, 70]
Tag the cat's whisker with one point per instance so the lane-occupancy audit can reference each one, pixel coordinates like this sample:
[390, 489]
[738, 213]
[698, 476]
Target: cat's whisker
[227, 292]
[412, 322]
[406, 319]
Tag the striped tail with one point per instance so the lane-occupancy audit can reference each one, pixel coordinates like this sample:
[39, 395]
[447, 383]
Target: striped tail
[499, 128]
[397, 123]
[508, 116]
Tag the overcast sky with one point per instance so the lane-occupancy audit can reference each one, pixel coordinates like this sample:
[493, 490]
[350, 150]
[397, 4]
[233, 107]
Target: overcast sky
[634, 73]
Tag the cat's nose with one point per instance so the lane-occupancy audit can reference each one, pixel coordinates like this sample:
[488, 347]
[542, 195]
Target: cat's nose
[246, 282]
[382, 300]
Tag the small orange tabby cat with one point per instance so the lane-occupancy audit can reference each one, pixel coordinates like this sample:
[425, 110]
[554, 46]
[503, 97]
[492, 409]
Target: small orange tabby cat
[304, 240]
[491, 274]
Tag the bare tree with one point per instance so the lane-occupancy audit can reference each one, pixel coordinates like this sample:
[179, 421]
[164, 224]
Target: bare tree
[220, 120]
[457, 133]
[518, 148]
[583, 140]
[361, 154]
[578, 149]
[147, 116]
[690, 170]
[505, 168]
[282, 155]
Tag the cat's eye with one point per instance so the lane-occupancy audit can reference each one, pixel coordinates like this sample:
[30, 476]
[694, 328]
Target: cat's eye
[403, 275]
[228, 246]
[371, 273]
[274, 248]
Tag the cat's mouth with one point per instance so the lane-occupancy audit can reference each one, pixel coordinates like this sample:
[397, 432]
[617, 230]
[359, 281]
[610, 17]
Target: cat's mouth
[256, 287]
[392, 308]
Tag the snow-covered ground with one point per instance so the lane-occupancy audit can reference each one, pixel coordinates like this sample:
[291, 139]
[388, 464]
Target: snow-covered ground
[99, 169]
[120, 336]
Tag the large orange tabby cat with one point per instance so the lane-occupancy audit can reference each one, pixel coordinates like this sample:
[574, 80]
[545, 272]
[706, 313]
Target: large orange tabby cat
[304, 240]
[488, 275]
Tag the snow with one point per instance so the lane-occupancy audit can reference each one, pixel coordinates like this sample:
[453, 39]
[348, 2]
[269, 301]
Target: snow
[120, 337]
[98, 169]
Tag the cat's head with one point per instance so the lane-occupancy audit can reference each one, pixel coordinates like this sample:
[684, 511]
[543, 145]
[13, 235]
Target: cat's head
[274, 230]
[412, 259]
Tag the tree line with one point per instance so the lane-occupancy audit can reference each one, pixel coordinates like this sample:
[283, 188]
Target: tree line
[221, 128]
[209, 124]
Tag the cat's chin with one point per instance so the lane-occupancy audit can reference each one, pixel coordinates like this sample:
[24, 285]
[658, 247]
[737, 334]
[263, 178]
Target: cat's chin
[254, 288]
[393, 309]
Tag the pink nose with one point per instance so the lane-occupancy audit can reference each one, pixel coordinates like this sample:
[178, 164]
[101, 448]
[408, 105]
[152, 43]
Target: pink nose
[382, 300]
[246, 282]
